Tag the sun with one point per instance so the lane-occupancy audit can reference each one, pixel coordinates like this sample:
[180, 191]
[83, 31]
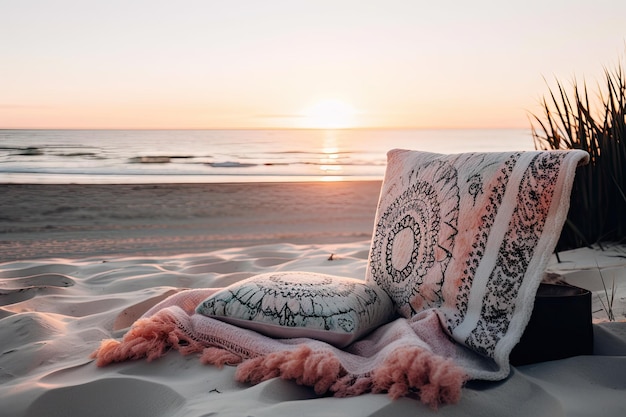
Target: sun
[329, 114]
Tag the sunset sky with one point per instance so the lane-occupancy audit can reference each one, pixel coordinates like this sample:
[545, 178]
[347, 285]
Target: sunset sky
[292, 63]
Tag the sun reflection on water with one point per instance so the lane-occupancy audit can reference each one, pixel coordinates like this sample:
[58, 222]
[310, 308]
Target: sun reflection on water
[330, 159]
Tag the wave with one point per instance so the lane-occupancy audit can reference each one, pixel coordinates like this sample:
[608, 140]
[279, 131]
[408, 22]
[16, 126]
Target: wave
[150, 160]
[90, 155]
[27, 151]
[231, 164]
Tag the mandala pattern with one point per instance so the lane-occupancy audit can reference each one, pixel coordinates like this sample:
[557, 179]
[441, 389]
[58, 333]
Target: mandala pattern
[469, 235]
[407, 224]
[412, 232]
[301, 300]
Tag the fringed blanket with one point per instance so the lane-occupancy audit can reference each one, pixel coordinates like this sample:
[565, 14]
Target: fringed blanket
[459, 248]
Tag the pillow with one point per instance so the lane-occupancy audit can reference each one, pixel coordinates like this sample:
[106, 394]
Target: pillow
[470, 233]
[284, 305]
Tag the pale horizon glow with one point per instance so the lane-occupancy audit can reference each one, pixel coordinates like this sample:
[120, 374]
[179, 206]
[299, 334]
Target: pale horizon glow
[244, 64]
[329, 114]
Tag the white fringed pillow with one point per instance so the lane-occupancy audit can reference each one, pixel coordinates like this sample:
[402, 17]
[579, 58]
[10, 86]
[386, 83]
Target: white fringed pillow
[333, 309]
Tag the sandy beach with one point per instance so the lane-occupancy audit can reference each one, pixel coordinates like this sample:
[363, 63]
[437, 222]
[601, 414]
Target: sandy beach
[168, 219]
[80, 263]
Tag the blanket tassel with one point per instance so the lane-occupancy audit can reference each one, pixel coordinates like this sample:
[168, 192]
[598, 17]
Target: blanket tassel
[319, 370]
[407, 371]
[219, 357]
[437, 380]
[149, 338]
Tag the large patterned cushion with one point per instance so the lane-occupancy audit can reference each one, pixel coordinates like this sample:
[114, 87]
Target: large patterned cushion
[467, 233]
[333, 309]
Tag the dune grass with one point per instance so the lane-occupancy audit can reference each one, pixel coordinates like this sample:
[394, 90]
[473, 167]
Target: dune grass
[610, 299]
[574, 119]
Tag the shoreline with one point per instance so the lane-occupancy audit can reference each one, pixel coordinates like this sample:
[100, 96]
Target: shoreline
[89, 220]
[188, 179]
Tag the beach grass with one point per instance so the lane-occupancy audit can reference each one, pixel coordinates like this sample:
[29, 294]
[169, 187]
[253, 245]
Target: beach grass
[609, 297]
[573, 118]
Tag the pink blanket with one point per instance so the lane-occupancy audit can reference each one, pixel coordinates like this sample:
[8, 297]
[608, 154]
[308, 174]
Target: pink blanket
[393, 359]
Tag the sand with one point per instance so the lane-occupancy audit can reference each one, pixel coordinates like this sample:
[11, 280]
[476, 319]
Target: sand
[96, 220]
[81, 263]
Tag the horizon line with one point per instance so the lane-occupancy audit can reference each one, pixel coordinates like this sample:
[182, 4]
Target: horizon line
[272, 128]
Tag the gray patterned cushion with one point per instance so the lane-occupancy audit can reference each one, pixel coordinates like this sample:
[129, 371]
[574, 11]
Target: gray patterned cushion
[333, 309]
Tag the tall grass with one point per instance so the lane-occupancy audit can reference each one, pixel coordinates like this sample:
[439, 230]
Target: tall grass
[610, 299]
[572, 119]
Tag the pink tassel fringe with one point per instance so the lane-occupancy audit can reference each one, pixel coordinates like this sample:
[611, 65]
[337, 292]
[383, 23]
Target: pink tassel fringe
[317, 369]
[148, 338]
[406, 371]
[219, 357]
[438, 380]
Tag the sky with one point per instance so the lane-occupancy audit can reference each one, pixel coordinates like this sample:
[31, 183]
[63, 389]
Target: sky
[296, 64]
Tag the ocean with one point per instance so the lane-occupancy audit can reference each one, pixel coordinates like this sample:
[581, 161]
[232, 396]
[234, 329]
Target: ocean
[184, 156]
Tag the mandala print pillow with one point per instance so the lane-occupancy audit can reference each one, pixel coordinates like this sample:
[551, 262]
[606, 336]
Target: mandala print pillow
[333, 309]
[469, 234]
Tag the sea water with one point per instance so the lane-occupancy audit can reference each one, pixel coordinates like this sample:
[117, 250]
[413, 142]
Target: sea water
[178, 156]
